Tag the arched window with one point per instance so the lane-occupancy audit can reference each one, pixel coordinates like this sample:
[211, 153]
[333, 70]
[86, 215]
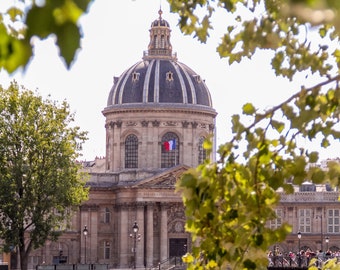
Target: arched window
[170, 150]
[162, 42]
[202, 153]
[131, 151]
[155, 40]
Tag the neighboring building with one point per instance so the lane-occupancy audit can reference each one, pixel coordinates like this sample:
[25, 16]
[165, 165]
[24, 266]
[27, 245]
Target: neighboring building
[314, 211]
[158, 114]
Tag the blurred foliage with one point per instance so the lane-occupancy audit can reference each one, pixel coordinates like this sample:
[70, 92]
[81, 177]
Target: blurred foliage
[229, 203]
[27, 19]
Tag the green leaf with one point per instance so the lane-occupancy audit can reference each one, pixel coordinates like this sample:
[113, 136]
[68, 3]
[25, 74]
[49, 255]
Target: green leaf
[322, 32]
[318, 176]
[248, 109]
[83, 4]
[279, 126]
[13, 12]
[14, 53]
[42, 27]
[313, 157]
[68, 40]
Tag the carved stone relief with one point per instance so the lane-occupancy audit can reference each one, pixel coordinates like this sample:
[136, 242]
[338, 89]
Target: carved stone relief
[176, 227]
[170, 181]
[194, 124]
[156, 123]
[185, 124]
[170, 123]
[145, 123]
[176, 211]
[119, 124]
[131, 124]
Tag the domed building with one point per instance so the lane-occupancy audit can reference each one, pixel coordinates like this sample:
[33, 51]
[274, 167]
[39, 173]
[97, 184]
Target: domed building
[157, 100]
[158, 114]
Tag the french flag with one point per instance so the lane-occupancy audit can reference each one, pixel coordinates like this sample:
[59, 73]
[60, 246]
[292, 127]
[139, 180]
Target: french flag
[170, 145]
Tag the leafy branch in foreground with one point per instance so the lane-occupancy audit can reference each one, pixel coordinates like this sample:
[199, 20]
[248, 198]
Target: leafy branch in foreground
[228, 203]
[27, 19]
[298, 44]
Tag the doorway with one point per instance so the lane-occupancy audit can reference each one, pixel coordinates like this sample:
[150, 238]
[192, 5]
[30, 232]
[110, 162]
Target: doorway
[177, 247]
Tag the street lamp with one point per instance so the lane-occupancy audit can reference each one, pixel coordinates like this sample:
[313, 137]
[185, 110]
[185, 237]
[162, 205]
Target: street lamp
[327, 241]
[135, 237]
[299, 239]
[85, 232]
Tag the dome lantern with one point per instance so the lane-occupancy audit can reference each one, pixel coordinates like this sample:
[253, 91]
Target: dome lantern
[159, 46]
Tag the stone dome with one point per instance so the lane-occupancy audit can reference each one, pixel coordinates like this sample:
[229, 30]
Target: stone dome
[159, 79]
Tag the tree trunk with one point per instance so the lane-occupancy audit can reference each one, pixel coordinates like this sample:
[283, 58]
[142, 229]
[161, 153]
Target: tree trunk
[23, 259]
[23, 251]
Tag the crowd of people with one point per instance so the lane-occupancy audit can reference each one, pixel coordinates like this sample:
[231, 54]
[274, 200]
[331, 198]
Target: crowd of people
[300, 259]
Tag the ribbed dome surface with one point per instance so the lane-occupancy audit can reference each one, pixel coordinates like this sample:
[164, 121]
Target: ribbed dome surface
[160, 22]
[159, 81]
[159, 78]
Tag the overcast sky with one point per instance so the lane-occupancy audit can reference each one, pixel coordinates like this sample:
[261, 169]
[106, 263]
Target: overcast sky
[115, 34]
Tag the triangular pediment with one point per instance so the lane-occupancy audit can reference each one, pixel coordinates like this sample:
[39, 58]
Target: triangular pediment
[165, 179]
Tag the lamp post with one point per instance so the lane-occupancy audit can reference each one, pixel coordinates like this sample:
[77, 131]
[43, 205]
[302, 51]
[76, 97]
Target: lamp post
[299, 239]
[327, 241]
[136, 237]
[85, 232]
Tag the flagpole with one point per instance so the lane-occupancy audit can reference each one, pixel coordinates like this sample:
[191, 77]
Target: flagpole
[175, 153]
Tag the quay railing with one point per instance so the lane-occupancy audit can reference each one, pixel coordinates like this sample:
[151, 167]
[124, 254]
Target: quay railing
[297, 261]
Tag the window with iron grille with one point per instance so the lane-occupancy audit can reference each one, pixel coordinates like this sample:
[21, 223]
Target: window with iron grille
[202, 153]
[131, 151]
[107, 250]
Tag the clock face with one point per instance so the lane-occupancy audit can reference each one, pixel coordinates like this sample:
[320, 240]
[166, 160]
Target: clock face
[178, 226]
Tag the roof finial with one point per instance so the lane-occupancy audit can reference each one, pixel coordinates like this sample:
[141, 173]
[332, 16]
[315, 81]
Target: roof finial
[160, 12]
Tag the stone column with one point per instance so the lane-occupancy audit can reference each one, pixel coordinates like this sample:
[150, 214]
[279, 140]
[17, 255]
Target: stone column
[92, 239]
[149, 236]
[141, 232]
[84, 221]
[123, 237]
[164, 233]
[118, 147]
[109, 146]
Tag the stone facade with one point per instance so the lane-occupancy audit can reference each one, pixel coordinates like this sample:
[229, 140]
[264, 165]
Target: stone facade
[314, 211]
